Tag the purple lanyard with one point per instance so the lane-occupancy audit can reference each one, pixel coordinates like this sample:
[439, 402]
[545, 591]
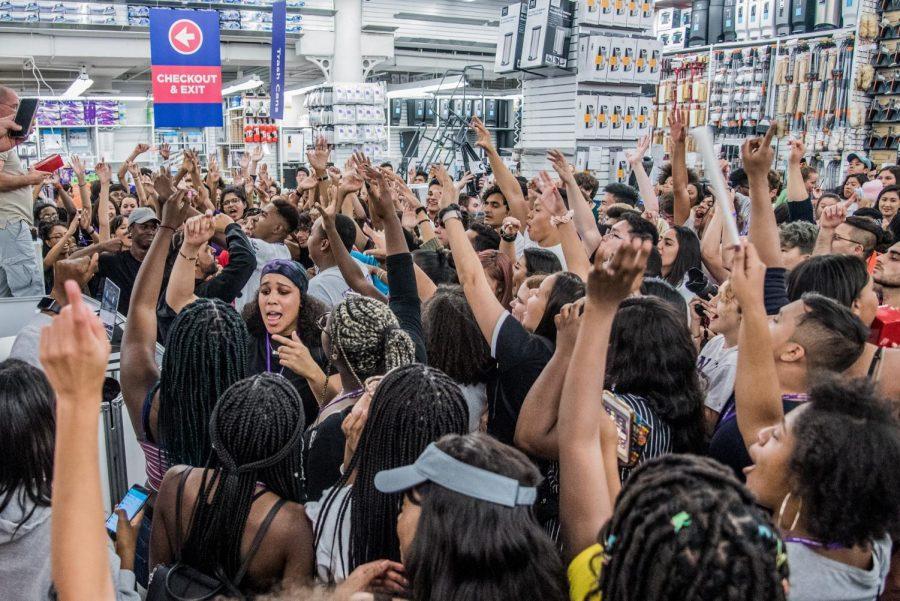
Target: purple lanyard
[810, 542]
[795, 398]
[342, 397]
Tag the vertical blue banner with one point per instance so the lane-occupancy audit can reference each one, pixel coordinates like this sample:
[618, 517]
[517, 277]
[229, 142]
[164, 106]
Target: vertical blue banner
[276, 83]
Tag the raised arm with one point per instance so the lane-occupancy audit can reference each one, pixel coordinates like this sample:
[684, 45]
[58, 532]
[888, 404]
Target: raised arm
[585, 224]
[587, 483]
[757, 155]
[796, 189]
[757, 393]
[576, 259]
[105, 174]
[355, 278]
[63, 195]
[74, 352]
[198, 231]
[139, 190]
[508, 183]
[645, 186]
[682, 209]
[711, 246]
[123, 169]
[485, 306]
[139, 369]
[536, 431]
[53, 253]
[831, 217]
[84, 189]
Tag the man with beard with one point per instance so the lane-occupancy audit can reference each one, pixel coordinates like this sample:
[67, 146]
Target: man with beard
[122, 267]
[196, 273]
[887, 276]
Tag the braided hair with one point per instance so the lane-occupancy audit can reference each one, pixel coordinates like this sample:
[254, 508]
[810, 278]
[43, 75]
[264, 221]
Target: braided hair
[255, 430]
[365, 334]
[413, 406]
[685, 528]
[206, 352]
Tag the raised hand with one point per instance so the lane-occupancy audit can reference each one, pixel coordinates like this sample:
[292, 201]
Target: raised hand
[329, 210]
[677, 130]
[748, 276]
[80, 270]
[637, 155]
[510, 226]
[610, 282]
[308, 183]
[104, 172]
[245, 162]
[463, 182]
[84, 220]
[351, 182]
[484, 136]
[560, 165]
[568, 320]
[833, 216]
[165, 152]
[256, 154]
[381, 198]
[199, 229]
[447, 195]
[77, 167]
[551, 199]
[74, 353]
[175, 211]
[797, 152]
[139, 150]
[163, 185]
[757, 154]
[318, 156]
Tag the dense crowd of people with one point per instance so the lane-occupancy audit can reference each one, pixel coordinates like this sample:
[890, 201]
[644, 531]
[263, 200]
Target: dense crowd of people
[501, 389]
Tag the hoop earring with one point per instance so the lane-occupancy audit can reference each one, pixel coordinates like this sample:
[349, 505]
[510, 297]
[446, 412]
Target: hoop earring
[784, 503]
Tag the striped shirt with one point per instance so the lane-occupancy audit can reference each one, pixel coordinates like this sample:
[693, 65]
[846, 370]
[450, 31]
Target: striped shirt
[157, 464]
[659, 437]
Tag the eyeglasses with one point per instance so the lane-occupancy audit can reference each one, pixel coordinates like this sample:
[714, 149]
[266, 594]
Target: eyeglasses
[322, 321]
[850, 240]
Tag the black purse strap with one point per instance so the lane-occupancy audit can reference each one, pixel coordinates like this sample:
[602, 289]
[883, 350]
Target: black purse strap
[179, 493]
[257, 541]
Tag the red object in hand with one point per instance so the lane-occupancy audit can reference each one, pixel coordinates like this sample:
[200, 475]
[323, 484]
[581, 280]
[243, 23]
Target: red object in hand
[885, 329]
[50, 164]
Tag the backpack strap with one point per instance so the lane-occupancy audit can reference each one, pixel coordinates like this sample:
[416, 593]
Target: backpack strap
[179, 493]
[257, 541]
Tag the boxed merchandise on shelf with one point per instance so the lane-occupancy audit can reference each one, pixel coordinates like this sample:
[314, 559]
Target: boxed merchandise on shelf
[511, 33]
[548, 30]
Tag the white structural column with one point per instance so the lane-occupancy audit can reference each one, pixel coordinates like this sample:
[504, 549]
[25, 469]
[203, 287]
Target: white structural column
[347, 66]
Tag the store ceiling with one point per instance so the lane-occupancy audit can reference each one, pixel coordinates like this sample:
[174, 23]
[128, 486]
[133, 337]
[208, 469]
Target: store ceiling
[427, 39]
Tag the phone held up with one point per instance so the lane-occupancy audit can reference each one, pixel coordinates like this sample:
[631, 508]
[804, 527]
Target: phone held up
[132, 503]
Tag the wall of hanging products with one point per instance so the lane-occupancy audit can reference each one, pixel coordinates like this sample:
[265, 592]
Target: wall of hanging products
[881, 81]
[811, 93]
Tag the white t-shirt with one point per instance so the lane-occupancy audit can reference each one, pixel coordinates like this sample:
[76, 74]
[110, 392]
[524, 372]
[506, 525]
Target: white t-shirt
[265, 252]
[524, 241]
[717, 366]
[333, 550]
[330, 287]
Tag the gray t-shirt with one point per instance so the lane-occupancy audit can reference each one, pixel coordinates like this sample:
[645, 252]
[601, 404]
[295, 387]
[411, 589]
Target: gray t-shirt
[15, 205]
[815, 577]
[330, 287]
[27, 344]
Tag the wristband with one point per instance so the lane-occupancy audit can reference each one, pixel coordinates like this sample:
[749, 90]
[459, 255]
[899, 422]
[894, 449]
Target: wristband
[451, 214]
[167, 227]
[323, 178]
[448, 208]
[508, 237]
[184, 256]
[420, 210]
[420, 222]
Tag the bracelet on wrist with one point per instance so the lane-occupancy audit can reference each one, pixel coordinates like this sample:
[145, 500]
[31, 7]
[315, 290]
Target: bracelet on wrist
[420, 210]
[166, 227]
[184, 256]
[420, 222]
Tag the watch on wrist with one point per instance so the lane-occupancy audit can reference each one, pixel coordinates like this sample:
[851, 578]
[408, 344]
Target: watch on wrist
[49, 304]
[454, 208]
[508, 237]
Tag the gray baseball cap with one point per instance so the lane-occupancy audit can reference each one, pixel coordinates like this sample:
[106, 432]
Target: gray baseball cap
[434, 465]
[142, 215]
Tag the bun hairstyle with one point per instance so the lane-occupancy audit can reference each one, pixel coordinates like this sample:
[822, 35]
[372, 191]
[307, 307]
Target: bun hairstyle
[367, 337]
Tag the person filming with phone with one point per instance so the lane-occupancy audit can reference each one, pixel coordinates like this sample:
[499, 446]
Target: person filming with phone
[20, 273]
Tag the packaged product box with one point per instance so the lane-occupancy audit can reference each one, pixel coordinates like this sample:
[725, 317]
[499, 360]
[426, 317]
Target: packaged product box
[511, 33]
[548, 34]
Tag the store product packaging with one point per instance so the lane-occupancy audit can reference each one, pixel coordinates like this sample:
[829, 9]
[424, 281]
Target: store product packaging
[645, 110]
[619, 167]
[633, 17]
[632, 108]
[586, 117]
[885, 330]
[782, 17]
[697, 34]
[605, 13]
[511, 33]
[548, 33]
[588, 12]
[767, 18]
[604, 117]
[629, 59]
[50, 164]
[647, 14]
[617, 117]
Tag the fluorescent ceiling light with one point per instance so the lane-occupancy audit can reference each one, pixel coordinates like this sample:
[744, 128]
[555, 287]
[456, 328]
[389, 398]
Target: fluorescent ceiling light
[428, 86]
[79, 86]
[243, 85]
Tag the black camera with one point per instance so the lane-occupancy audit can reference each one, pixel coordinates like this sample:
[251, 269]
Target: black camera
[700, 285]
